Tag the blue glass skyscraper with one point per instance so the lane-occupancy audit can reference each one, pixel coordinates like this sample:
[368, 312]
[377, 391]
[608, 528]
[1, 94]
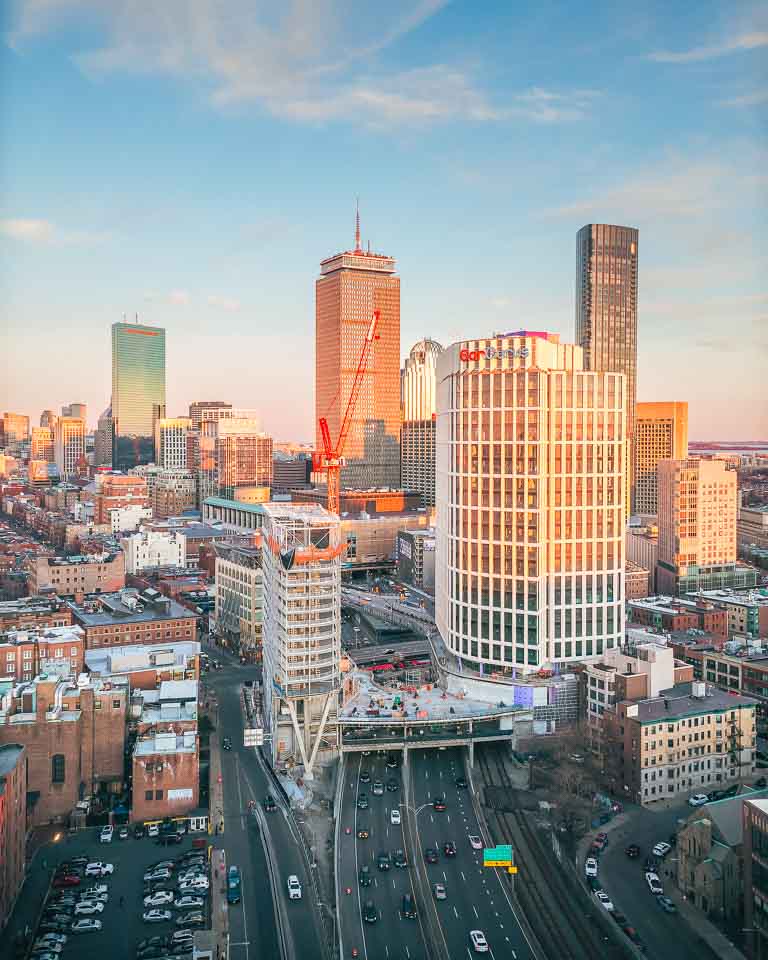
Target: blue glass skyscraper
[138, 392]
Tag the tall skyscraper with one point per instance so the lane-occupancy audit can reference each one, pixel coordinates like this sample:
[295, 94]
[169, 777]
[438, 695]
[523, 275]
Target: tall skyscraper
[48, 419]
[606, 308]
[661, 433]
[418, 389]
[234, 453]
[171, 435]
[102, 440]
[42, 444]
[208, 410]
[529, 564]
[69, 446]
[15, 427]
[79, 411]
[350, 287]
[138, 392]
[301, 560]
[697, 512]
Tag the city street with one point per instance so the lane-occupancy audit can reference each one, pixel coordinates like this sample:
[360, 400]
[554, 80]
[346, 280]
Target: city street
[253, 929]
[667, 936]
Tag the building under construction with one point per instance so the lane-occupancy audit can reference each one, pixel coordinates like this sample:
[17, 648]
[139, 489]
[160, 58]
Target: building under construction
[301, 563]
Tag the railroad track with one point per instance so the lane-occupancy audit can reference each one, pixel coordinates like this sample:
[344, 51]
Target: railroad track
[567, 932]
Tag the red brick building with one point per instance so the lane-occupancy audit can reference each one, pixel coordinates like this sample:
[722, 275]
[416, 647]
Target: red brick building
[73, 735]
[26, 653]
[165, 776]
[133, 617]
[673, 616]
[34, 613]
[13, 825]
[118, 490]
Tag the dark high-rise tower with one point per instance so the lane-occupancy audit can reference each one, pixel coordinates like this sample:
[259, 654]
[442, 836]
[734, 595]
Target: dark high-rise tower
[606, 306]
[138, 392]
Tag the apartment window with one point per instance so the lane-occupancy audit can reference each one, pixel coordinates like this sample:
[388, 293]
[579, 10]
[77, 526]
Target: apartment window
[158, 794]
[116, 704]
[147, 794]
[58, 768]
[97, 705]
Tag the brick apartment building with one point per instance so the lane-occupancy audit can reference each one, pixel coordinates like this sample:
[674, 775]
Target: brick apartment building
[754, 814]
[170, 708]
[34, 613]
[74, 738]
[115, 491]
[13, 825]
[67, 576]
[26, 653]
[672, 615]
[165, 776]
[133, 617]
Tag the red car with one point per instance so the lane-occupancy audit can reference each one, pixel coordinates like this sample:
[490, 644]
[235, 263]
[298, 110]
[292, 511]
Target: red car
[601, 841]
[67, 880]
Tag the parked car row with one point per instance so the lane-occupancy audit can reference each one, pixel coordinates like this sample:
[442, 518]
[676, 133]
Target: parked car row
[175, 894]
[73, 906]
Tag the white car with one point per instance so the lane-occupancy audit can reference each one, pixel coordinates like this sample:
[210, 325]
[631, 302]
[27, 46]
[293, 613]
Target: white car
[294, 888]
[85, 925]
[478, 941]
[99, 869]
[698, 800]
[604, 899]
[189, 902]
[94, 890]
[661, 849]
[91, 895]
[654, 884]
[158, 899]
[106, 834]
[590, 867]
[156, 916]
[87, 908]
[394, 818]
[46, 946]
[153, 830]
[163, 874]
[192, 886]
[477, 844]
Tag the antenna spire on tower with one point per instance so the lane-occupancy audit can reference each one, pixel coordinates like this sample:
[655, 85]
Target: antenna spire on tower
[357, 225]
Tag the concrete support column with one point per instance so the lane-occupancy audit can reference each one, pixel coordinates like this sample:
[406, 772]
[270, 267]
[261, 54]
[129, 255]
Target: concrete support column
[471, 746]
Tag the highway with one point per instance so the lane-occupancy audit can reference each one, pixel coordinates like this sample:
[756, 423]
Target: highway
[253, 927]
[391, 937]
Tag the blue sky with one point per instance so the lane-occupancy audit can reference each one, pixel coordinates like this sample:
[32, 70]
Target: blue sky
[194, 162]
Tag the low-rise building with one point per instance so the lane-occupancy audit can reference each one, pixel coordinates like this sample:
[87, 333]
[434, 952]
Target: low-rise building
[129, 517]
[173, 492]
[133, 617]
[67, 576]
[752, 527]
[145, 667]
[689, 738]
[637, 581]
[165, 776]
[118, 490]
[674, 614]
[710, 851]
[149, 549]
[746, 611]
[74, 735]
[239, 599]
[171, 707]
[56, 650]
[13, 826]
[34, 613]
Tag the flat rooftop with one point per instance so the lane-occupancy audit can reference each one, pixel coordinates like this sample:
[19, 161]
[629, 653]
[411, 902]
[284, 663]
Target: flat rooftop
[9, 756]
[128, 606]
[678, 702]
[128, 658]
[166, 743]
[429, 706]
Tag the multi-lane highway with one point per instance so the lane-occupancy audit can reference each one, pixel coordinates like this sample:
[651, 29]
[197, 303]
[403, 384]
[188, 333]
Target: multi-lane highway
[477, 898]
[253, 927]
[391, 936]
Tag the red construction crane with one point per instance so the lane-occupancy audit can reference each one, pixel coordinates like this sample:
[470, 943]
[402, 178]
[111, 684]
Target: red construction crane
[330, 460]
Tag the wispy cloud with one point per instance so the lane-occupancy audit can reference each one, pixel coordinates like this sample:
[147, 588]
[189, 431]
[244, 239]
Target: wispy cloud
[178, 297]
[753, 99]
[28, 230]
[736, 44]
[308, 60]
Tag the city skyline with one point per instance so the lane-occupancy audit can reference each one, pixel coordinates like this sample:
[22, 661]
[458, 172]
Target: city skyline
[137, 220]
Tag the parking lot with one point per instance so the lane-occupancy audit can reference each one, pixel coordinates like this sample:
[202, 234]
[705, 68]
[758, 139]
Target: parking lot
[122, 924]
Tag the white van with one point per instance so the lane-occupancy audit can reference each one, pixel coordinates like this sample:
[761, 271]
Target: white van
[106, 834]
[294, 888]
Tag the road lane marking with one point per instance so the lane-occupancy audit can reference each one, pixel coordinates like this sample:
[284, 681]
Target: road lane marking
[455, 912]
[462, 876]
[474, 910]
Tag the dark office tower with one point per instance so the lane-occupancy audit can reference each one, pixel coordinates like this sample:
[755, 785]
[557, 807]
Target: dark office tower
[138, 392]
[606, 307]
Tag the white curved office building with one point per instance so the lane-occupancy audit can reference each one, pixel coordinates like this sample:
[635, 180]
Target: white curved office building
[530, 505]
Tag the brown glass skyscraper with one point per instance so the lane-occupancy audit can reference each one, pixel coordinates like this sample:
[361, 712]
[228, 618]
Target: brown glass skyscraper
[350, 287]
[606, 306]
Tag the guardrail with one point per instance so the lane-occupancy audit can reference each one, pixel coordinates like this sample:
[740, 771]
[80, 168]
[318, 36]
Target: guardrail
[287, 951]
[336, 847]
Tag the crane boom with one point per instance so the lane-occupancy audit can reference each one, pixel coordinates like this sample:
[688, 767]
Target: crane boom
[329, 459]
